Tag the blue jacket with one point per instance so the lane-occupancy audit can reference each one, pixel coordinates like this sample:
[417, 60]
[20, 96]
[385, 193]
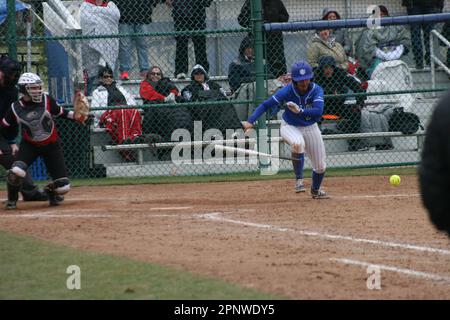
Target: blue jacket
[311, 103]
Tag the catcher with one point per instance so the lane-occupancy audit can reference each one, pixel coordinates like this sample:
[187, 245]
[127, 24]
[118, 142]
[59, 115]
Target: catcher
[34, 111]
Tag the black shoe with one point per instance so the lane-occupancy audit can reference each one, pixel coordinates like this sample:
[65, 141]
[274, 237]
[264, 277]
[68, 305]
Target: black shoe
[10, 205]
[52, 197]
[37, 195]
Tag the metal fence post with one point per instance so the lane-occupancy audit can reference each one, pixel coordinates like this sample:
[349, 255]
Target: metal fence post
[260, 94]
[11, 36]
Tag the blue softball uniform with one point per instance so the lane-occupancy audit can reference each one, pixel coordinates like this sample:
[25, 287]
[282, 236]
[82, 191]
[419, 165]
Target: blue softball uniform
[311, 102]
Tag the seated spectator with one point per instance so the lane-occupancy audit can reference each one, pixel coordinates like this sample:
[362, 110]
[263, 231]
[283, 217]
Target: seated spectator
[161, 120]
[98, 17]
[341, 34]
[200, 89]
[123, 125]
[335, 81]
[157, 88]
[376, 45]
[242, 70]
[325, 44]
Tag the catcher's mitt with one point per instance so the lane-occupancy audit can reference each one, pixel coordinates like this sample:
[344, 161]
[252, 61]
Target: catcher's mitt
[80, 107]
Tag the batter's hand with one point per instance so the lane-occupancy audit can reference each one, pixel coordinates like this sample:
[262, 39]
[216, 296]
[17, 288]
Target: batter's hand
[247, 126]
[295, 108]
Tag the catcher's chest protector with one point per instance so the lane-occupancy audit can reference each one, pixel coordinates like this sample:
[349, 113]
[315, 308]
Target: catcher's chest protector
[36, 121]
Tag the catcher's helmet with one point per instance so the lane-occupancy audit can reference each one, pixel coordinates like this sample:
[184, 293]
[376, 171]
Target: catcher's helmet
[301, 70]
[30, 84]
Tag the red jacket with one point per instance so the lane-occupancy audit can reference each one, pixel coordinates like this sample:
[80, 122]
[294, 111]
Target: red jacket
[149, 93]
[122, 124]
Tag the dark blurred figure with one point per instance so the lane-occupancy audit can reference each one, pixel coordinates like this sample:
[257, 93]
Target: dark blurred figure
[434, 169]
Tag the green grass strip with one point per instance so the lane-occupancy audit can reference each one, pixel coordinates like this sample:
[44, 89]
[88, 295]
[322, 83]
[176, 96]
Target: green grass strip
[35, 269]
[233, 177]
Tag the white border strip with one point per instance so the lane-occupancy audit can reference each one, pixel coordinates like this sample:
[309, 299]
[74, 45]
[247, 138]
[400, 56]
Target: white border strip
[216, 216]
[409, 272]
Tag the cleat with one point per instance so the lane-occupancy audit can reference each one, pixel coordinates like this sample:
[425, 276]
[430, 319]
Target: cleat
[53, 198]
[299, 187]
[10, 205]
[319, 194]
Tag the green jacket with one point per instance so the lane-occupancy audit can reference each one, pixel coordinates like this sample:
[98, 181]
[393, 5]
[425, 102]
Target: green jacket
[371, 39]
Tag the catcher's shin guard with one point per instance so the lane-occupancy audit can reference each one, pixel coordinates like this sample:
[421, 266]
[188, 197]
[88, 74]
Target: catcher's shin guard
[14, 184]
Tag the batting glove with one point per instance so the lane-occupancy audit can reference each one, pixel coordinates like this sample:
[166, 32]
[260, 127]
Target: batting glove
[295, 108]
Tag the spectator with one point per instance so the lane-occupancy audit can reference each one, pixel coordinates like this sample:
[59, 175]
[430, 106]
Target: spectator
[324, 44]
[98, 17]
[135, 17]
[335, 81]
[416, 7]
[341, 34]
[376, 45]
[163, 120]
[242, 70]
[123, 125]
[272, 11]
[434, 170]
[157, 88]
[200, 89]
[189, 15]
[9, 75]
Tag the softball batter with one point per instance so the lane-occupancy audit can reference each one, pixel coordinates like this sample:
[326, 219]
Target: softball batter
[304, 101]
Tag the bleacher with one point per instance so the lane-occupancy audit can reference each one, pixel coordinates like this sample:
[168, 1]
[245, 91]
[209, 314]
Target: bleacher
[406, 148]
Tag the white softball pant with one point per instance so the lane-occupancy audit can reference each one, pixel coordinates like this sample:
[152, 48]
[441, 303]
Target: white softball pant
[306, 139]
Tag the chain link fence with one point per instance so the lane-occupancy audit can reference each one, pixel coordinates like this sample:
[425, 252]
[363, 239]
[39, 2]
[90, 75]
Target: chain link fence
[159, 73]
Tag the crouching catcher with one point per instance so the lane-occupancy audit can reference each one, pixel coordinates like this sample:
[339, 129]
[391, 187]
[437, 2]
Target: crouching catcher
[35, 111]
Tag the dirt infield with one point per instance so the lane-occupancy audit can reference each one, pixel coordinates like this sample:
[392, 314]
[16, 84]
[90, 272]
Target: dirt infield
[261, 234]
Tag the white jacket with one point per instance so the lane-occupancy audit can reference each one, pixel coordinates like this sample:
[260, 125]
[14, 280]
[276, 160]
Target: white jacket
[100, 100]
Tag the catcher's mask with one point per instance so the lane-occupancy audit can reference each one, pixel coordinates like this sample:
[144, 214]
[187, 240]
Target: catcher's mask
[30, 84]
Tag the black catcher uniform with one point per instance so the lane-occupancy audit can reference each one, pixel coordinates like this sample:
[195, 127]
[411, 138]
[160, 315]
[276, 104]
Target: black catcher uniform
[35, 111]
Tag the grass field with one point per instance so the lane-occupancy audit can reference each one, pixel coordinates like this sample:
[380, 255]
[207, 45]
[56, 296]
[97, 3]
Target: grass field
[33, 269]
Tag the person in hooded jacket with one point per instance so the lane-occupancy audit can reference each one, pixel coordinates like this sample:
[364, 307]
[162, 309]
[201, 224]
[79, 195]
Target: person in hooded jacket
[201, 89]
[242, 70]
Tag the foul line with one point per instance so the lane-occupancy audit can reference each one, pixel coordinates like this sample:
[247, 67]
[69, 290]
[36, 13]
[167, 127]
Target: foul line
[409, 272]
[215, 216]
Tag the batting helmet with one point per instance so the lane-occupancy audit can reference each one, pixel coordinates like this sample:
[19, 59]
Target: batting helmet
[301, 70]
[30, 84]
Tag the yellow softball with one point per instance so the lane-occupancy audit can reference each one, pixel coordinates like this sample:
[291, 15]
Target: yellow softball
[395, 180]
